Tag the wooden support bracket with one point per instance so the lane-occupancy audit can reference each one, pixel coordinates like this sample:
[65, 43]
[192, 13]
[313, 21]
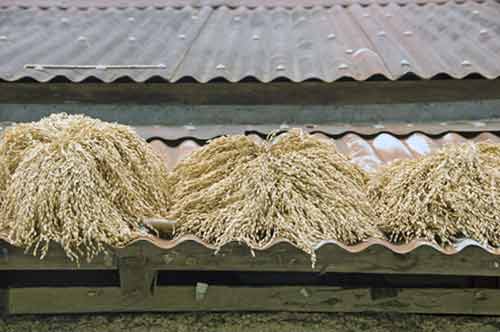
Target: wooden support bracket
[137, 278]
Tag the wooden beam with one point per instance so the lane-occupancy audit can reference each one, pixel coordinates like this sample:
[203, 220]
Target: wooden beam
[252, 93]
[328, 117]
[14, 258]
[224, 298]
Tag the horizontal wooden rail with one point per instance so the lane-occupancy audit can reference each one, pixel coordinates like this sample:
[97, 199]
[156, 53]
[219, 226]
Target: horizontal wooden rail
[253, 93]
[204, 297]
[14, 258]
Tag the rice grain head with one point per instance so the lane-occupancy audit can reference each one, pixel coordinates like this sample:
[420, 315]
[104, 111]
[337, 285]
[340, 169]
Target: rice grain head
[79, 182]
[294, 187]
[17, 139]
[449, 194]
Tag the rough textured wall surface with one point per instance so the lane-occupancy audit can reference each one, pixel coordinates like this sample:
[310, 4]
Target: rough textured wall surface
[226, 322]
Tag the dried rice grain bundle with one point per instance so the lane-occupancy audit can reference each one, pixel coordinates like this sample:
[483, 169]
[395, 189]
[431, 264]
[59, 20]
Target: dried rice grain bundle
[320, 194]
[87, 184]
[297, 188]
[211, 187]
[452, 193]
[19, 138]
[212, 163]
[322, 151]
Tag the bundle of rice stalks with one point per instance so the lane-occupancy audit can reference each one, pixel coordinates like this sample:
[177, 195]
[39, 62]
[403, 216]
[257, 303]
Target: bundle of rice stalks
[17, 139]
[295, 187]
[452, 193]
[78, 182]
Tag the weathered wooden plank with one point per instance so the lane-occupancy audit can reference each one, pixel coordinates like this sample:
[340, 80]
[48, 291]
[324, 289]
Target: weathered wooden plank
[317, 114]
[14, 258]
[189, 255]
[253, 93]
[471, 261]
[223, 298]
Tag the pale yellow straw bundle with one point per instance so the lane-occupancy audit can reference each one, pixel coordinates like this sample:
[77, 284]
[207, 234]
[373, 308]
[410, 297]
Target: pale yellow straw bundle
[78, 182]
[295, 187]
[452, 193]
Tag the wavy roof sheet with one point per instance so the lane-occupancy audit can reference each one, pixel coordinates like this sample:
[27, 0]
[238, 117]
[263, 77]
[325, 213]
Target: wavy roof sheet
[209, 42]
[368, 147]
[211, 3]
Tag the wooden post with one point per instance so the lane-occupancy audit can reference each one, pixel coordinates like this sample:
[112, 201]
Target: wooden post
[137, 277]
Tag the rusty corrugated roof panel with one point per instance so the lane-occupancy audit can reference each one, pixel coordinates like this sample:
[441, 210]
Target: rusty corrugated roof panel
[337, 129]
[369, 152]
[235, 43]
[406, 248]
[356, 42]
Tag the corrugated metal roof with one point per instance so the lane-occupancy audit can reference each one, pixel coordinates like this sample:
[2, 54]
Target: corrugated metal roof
[210, 3]
[280, 245]
[368, 152]
[236, 43]
[334, 130]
